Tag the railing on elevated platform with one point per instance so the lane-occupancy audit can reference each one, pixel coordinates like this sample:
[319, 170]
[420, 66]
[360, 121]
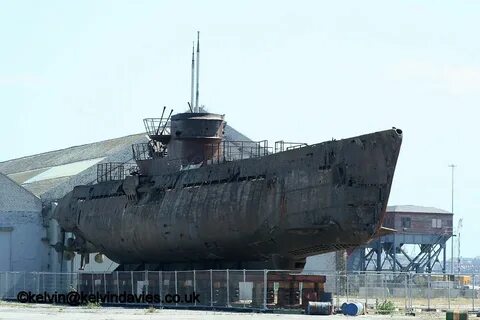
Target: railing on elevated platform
[281, 145]
[111, 171]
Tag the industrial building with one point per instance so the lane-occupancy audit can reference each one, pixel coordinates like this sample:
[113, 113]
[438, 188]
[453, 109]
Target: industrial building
[43, 178]
[417, 245]
[22, 236]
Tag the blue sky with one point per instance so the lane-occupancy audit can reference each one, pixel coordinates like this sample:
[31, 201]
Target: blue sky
[75, 72]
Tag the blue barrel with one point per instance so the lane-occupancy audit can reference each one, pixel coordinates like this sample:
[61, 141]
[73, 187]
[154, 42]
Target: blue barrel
[319, 308]
[344, 308]
[354, 309]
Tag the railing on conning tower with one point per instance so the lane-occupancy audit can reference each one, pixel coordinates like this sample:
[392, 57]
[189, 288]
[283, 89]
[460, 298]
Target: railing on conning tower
[225, 151]
[157, 126]
[146, 150]
[111, 171]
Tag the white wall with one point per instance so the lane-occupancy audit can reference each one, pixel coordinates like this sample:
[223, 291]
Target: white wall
[21, 247]
[22, 234]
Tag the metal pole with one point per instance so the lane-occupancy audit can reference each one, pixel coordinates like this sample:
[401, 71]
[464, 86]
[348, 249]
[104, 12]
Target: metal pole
[429, 291]
[410, 290]
[366, 291]
[473, 293]
[448, 284]
[265, 289]
[160, 282]
[244, 287]
[337, 291]
[118, 285]
[131, 280]
[406, 294]
[146, 283]
[228, 288]
[453, 170]
[346, 289]
[194, 285]
[198, 71]
[14, 284]
[211, 288]
[193, 75]
[444, 266]
[176, 286]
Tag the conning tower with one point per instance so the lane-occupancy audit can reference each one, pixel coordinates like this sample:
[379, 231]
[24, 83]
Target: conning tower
[196, 137]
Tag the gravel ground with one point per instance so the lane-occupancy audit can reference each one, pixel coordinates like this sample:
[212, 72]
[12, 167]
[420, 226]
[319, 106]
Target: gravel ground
[40, 312]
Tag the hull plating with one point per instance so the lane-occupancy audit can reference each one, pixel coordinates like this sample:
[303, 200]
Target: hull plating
[284, 206]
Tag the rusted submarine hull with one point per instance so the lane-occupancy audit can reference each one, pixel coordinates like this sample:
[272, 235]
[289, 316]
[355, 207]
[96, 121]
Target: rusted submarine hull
[274, 210]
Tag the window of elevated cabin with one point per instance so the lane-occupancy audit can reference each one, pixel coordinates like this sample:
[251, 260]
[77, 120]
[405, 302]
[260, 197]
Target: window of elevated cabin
[406, 222]
[436, 223]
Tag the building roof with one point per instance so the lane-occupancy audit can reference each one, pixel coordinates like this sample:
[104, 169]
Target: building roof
[416, 209]
[51, 175]
[15, 198]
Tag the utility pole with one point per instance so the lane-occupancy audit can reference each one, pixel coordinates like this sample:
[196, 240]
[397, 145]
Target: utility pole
[459, 230]
[451, 261]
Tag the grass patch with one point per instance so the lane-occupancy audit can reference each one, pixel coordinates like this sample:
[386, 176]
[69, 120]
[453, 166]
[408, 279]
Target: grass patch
[151, 309]
[93, 305]
[386, 307]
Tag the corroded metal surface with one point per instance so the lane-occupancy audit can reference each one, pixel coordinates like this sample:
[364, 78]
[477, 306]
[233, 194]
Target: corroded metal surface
[270, 211]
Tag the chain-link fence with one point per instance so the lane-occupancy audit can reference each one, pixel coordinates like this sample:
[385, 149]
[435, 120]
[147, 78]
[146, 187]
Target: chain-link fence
[255, 289]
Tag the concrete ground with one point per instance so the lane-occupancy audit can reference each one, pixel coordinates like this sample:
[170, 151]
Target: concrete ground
[11, 310]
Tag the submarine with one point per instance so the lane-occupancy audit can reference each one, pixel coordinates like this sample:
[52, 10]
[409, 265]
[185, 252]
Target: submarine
[191, 199]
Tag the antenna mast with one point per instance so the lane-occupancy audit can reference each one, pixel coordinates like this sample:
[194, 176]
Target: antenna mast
[193, 74]
[198, 69]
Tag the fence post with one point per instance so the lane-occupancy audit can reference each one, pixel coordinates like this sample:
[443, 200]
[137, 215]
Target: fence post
[131, 281]
[211, 288]
[228, 288]
[448, 284]
[337, 289]
[118, 285]
[93, 284]
[382, 279]
[429, 291]
[195, 285]
[146, 282]
[14, 284]
[406, 293]
[244, 286]
[346, 285]
[366, 291]
[264, 289]
[6, 284]
[77, 282]
[176, 286]
[473, 293]
[160, 283]
[104, 283]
